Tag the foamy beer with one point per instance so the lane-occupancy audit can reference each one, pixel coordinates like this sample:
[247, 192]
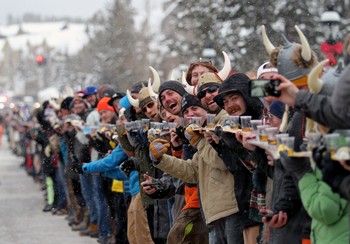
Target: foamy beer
[332, 142]
[210, 120]
[271, 133]
[245, 122]
[262, 132]
[234, 120]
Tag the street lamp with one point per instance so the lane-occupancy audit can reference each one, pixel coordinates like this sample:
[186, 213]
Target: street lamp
[330, 21]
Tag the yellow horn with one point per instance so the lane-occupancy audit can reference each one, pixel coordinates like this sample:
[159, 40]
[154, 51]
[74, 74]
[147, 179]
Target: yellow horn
[156, 79]
[314, 83]
[306, 50]
[133, 102]
[284, 123]
[225, 71]
[267, 43]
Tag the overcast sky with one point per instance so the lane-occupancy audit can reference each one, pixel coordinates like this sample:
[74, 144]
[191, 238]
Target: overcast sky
[59, 8]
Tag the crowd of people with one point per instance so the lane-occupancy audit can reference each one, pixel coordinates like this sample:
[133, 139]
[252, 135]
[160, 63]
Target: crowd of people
[186, 161]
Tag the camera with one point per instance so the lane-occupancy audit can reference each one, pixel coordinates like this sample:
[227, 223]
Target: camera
[264, 88]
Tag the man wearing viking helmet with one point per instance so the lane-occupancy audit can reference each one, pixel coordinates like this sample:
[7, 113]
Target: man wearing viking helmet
[294, 61]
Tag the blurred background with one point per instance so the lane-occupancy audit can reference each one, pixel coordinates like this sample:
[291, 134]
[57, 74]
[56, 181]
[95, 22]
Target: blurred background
[47, 46]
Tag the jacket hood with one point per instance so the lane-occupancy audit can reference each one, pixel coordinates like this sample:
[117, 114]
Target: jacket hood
[239, 83]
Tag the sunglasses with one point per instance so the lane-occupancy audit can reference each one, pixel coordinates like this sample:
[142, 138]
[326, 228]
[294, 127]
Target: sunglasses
[210, 90]
[148, 105]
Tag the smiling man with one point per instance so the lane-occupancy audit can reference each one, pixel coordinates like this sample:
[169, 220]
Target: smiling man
[170, 96]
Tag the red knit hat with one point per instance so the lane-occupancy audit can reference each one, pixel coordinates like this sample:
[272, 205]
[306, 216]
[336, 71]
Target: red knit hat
[103, 104]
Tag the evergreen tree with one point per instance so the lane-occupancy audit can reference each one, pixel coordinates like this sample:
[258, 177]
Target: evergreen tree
[114, 53]
[235, 26]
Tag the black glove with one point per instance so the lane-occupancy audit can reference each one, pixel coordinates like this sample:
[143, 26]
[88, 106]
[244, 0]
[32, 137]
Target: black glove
[142, 135]
[77, 166]
[332, 172]
[180, 131]
[297, 166]
[129, 165]
[228, 139]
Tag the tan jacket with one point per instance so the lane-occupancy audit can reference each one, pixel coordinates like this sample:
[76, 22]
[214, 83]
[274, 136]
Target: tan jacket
[216, 183]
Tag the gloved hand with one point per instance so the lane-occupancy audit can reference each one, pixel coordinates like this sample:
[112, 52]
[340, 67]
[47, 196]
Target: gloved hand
[180, 131]
[142, 135]
[77, 166]
[157, 148]
[298, 166]
[129, 165]
[193, 136]
[332, 172]
[228, 138]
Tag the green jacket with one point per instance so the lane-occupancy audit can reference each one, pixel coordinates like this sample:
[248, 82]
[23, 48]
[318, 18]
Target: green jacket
[327, 209]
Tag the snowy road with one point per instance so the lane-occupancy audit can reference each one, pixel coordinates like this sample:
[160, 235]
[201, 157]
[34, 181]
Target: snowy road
[21, 203]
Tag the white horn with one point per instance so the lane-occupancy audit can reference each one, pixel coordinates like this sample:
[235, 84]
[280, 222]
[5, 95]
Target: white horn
[225, 71]
[152, 94]
[306, 50]
[156, 79]
[134, 102]
[189, 89]
[267, 43]
[314, 83]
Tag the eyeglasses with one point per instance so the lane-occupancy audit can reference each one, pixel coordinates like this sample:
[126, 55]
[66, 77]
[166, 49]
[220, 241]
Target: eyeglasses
[148, 105]
[210, 90]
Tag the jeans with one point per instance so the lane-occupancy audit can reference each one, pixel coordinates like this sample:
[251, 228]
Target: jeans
[101, 206]
[227, 230]
[60, 187]
[86, 190]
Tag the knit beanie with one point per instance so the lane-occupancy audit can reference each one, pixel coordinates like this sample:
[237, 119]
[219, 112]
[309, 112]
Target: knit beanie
[66, 102]
[171, 85]
[189, 100]
[103, 105]
[277, 109]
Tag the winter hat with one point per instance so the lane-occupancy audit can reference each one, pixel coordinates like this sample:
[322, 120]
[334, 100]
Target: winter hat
[124, 102]
[103, 105]
[277, 109]
[239, 83]
[230, 85]
[90, 90]
[208, 79]
[171, 85]
[265, 68]
[66, 102]
[189, 100]
[136, 88]
[105, 91]
[115, 96]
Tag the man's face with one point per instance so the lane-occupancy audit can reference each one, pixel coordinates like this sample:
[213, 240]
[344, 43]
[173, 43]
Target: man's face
[234, 104]
[171, 101]
[206, 97]
[167, 116]
[92, 100]
[106, 116]
[196, 73]
[195, 111]
[274, 121]
[151, 111]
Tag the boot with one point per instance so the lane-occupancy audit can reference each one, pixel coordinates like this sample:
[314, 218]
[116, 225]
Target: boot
[90, 230]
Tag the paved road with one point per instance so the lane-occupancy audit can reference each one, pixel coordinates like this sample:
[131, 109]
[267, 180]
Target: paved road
[21, 203]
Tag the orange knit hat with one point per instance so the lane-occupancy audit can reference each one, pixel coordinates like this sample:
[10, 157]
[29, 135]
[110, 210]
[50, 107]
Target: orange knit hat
[103, 104]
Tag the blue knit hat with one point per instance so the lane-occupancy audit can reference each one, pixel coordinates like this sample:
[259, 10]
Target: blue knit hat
[277, 109]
